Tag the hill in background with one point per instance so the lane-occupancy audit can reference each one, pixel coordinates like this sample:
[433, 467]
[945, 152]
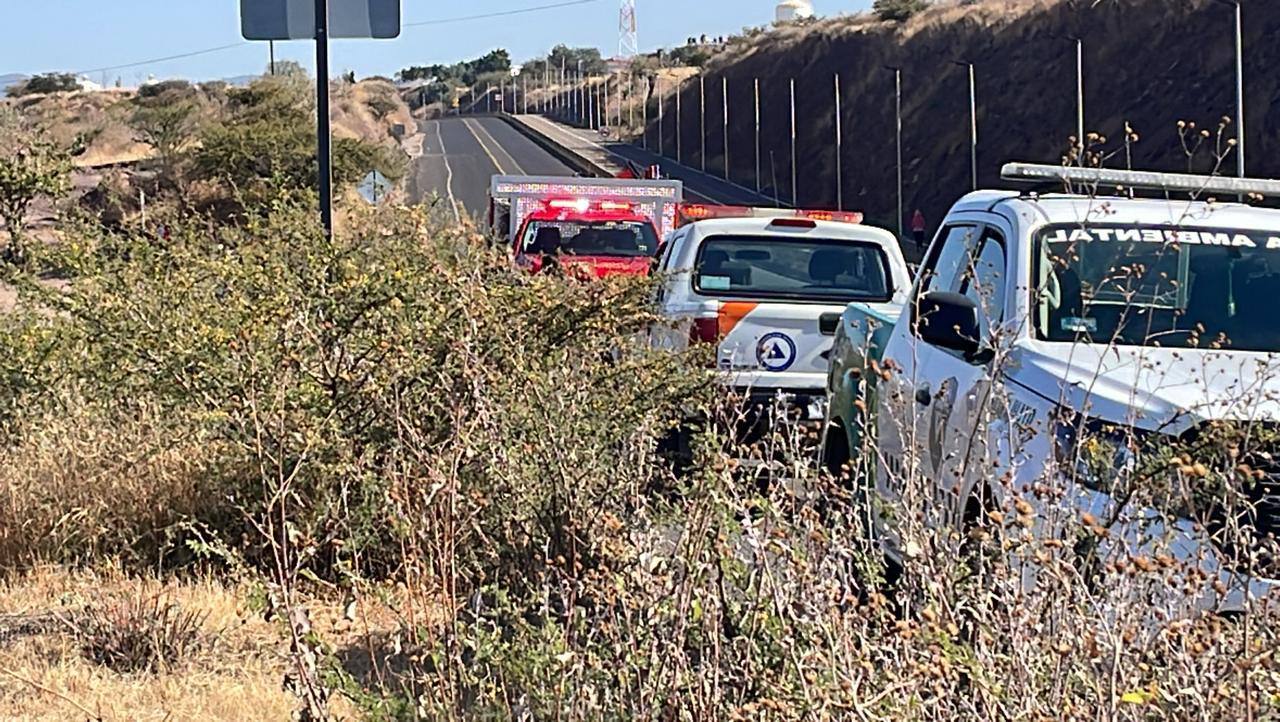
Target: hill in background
[1150, 63]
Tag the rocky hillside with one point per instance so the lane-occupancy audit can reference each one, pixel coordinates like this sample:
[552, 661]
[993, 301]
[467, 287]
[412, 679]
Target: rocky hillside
[1149, 63]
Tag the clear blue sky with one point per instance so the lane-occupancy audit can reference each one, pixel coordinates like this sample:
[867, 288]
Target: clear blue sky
[76, 35]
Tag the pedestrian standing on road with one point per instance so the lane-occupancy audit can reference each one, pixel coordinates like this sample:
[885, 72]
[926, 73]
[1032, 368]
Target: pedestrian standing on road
[917, 229]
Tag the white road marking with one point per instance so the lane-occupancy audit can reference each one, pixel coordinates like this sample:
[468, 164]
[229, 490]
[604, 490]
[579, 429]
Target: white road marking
[448, 178]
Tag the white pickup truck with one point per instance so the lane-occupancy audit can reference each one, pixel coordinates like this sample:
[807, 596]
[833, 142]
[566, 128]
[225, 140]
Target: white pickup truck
[1104, 358]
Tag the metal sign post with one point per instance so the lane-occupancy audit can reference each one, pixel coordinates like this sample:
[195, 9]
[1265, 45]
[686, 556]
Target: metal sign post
[324, 136]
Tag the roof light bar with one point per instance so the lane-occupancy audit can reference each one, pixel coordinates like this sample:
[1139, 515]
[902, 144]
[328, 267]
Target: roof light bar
[574, 204]
[692, 212]
[1141, 180]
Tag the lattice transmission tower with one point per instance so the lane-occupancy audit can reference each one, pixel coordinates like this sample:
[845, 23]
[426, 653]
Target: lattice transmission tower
[628, 40]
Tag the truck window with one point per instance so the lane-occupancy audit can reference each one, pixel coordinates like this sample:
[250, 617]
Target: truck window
[766, 267]
[591, 238]
[949, 260]
[984, 281]
[1149, 285]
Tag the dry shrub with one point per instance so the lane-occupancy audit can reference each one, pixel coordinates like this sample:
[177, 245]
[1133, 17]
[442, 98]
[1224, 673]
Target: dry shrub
[141, 634]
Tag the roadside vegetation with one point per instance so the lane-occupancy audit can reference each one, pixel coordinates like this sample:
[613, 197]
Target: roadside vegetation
[386, 475]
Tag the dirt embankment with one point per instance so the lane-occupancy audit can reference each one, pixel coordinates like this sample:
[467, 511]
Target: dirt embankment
[1150, 63]
[101, 118]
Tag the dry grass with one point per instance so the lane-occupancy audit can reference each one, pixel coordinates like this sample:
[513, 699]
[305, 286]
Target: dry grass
[46, 677]
[354, 115]
[44, 674]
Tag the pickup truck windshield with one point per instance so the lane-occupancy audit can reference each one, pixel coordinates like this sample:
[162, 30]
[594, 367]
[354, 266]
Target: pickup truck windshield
[1158, 286]
[792, 269]
[590, 238]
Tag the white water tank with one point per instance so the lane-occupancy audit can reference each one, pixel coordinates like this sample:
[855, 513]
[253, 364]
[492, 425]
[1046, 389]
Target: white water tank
[789, 10]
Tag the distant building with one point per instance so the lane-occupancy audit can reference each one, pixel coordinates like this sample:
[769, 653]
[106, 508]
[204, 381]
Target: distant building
[789, 10]
[88, 85]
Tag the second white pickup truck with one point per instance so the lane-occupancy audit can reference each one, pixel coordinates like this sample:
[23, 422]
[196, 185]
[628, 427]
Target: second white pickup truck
[1110, 359]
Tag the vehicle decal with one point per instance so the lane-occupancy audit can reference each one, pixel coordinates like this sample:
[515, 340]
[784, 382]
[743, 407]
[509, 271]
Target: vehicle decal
[732, 313]
[776, 352]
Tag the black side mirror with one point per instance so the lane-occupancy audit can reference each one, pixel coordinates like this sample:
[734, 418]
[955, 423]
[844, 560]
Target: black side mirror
[950, 321]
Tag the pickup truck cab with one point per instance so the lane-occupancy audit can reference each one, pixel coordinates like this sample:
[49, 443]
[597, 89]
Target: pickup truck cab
[1060, 342]
[768, 288]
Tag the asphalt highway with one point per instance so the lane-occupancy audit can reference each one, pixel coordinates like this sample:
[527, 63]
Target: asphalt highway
[461, 154]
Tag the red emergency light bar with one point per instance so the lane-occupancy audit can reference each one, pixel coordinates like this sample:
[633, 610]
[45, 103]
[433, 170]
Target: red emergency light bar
[583, 205]
[693, 212]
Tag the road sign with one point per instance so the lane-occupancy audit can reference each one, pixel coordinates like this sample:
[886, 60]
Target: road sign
[320, 20]
[374, 187]
[296, 19]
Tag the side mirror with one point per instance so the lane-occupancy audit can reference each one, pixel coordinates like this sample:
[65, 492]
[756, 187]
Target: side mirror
[950, 321]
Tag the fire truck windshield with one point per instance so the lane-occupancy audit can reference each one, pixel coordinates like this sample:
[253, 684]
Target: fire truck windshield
[590, 238]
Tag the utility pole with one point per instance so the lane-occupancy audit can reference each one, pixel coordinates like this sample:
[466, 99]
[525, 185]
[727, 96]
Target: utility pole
[839, 151]
[644, 116]
[1239, 32]
[756, 84]
[897, 105]
[724, 96]
[794, 201]
[973, 120]
[702, 122]
[582, 100]
[679, 142]
[662, 142]
[324, 150]
[271, 57]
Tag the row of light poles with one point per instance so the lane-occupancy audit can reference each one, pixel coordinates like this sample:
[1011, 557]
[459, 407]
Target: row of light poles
[586, 101]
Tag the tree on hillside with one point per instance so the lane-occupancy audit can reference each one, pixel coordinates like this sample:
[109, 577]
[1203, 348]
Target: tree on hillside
[166, 117]
[265, 148]
[592, 61]
[46, 83]
[31, 167]
[498, 61]
[898, 10]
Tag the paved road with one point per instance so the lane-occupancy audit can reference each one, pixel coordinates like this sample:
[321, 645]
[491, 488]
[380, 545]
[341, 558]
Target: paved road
[460, 155]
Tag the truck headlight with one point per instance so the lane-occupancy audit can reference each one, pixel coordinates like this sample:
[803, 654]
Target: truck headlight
[1099, 454]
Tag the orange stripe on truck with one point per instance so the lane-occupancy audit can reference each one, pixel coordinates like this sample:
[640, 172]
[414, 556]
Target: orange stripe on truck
[731, 313]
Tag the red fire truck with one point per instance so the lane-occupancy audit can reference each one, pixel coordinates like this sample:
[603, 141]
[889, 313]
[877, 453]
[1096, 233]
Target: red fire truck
[593, 226]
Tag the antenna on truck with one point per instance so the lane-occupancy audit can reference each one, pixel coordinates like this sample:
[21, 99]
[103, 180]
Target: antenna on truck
[1140, 180]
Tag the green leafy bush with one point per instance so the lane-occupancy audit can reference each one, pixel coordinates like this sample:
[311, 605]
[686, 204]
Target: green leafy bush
[264, 149]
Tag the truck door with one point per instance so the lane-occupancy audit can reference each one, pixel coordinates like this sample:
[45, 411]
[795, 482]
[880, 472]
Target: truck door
[959, 399]
[915, 394]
